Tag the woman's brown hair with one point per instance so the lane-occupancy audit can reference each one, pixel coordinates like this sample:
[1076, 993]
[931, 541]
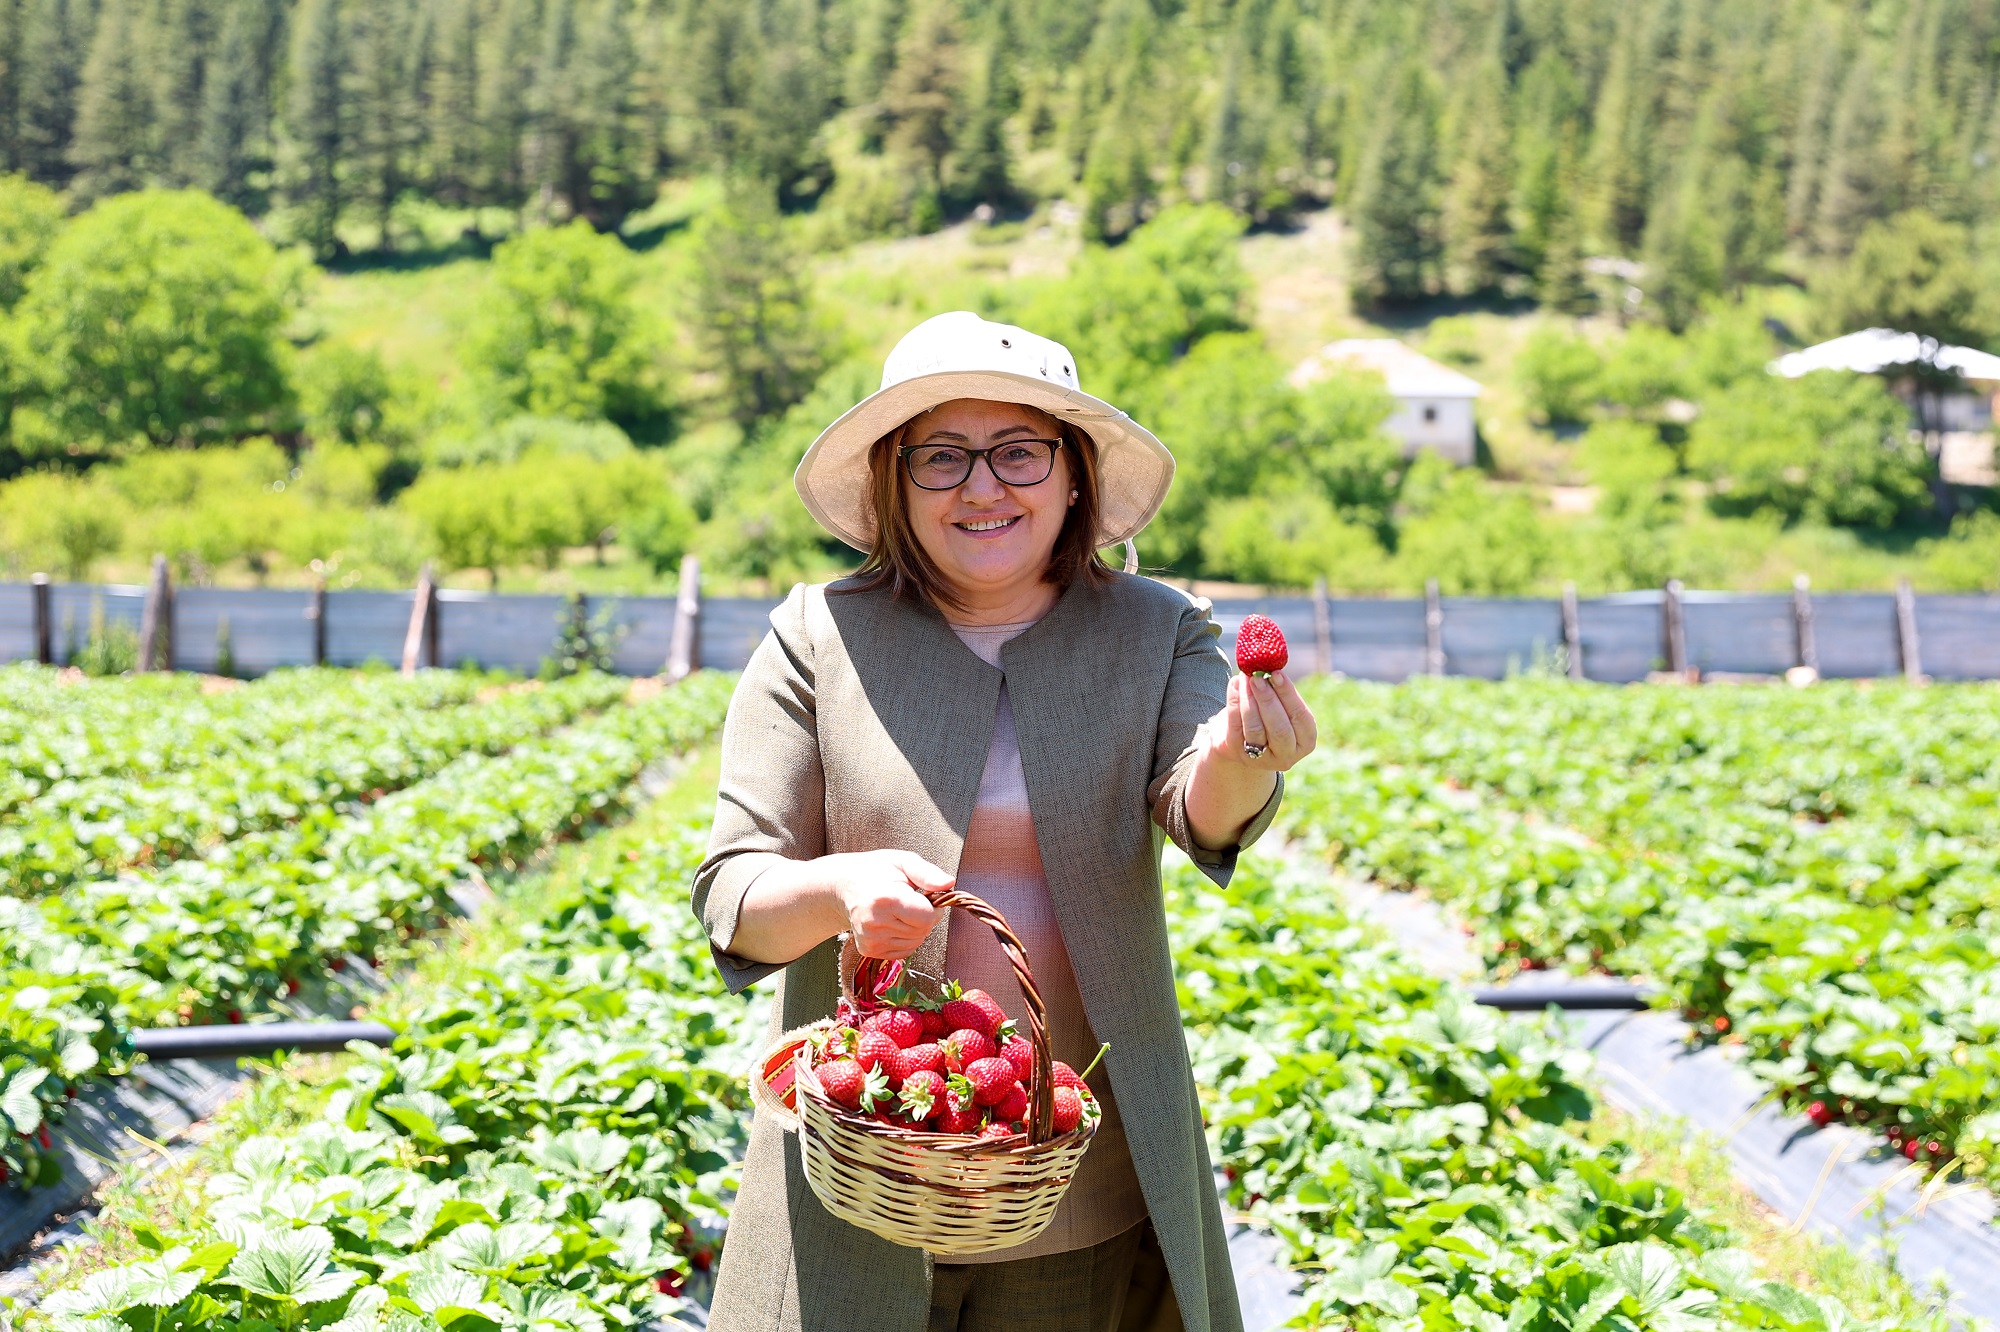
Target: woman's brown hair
[898, 561]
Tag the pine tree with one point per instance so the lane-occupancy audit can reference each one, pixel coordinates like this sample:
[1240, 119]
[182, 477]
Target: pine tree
[55, 39]
[507, 80]
[981, 171]
[921, 101]
[451, 102]
[113, 148]
[12, 12]
[379, 93]
[180, 35]
[316, 122]
[613, 171]
[233, 143]
[752, 308]
[1477, 232]
[1852, 191]
[1394, 205]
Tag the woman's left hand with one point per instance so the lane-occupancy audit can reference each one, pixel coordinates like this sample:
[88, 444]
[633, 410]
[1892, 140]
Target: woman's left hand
[1267, 713]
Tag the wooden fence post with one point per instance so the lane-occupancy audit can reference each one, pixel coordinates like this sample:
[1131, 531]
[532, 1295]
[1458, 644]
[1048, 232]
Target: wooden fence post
[156, 621]
[316, 612]
[45, 634]
[1433, 629]
[1906, 633]
[1674, 628]
[684, 652]
[421, 639]
[1572, 632]
[1322, 628]
[1802, 623]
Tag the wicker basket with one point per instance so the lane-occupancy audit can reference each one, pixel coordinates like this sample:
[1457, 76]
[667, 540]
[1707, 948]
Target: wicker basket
[946, 1194]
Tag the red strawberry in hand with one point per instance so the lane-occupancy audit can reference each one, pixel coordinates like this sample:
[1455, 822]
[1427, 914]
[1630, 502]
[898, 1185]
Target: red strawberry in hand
[1260, 646]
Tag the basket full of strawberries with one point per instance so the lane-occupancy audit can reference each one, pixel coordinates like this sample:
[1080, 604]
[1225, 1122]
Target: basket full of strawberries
[931, 1120]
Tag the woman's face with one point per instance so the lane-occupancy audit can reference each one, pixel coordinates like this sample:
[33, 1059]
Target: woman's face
[989, 539]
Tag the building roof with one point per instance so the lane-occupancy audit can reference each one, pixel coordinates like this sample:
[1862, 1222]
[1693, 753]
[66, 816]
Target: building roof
[1409, 373]
[1873, 350]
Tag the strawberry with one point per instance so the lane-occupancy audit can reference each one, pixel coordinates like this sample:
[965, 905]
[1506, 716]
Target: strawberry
[1066, 1076]
[961, 1113]
[1016, 1051]
[877, 1094]
[875, 1046]
[1013, 1107]
[924, 1056]
[831, 1043]
[670, 1283]
[1820, 1113]
[1260, 646]
[975, 1009]
[934, 1023]
[990, 1079]
[965, 1047]
[843, 1080]
[903, 1026]
[1069, 1109]
[996, 1130]
[923, 1095]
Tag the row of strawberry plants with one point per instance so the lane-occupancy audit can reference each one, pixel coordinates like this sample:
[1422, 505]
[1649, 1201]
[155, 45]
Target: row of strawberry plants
[1419, 1157]
[279, 912]
[1884, 1012]
[544, 1147]
[1884, 795]
[349, 741]
[57, 729]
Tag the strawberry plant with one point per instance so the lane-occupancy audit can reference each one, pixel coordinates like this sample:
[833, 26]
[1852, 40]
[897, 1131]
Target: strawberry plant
[544, 1147]
[263, 916]
[1810, 874]
[1416, 1154]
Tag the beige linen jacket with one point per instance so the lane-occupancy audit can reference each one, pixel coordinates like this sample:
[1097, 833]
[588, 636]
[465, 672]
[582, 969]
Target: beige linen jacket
[862, 722]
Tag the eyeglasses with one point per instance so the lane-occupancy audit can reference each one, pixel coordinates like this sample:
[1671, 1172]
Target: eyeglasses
[1018, 462]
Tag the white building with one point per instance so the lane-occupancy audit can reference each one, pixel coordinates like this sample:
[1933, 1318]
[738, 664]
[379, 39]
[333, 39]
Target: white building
[1955, 419]
[1433, 402]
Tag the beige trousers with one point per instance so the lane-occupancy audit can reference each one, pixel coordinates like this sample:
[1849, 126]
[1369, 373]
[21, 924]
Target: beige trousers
[1119, 1285]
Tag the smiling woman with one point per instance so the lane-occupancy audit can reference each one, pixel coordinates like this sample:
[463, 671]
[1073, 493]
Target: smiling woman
[988, 706]
[975, 494]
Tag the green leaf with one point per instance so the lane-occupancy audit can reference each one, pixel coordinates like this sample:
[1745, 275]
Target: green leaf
[293, 1265]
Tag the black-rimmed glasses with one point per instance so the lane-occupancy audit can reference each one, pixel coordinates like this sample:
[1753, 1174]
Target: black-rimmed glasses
[1018, 462]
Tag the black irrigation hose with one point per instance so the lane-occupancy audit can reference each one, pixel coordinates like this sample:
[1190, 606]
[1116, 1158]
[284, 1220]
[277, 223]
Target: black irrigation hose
[1592, 995]
[254, 1039]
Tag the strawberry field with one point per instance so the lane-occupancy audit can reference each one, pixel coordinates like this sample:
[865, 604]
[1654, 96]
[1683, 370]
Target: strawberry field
[550, 1142]
[1814, 874]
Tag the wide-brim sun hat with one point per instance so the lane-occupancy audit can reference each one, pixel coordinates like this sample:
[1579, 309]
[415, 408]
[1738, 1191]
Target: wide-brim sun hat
[960, 355]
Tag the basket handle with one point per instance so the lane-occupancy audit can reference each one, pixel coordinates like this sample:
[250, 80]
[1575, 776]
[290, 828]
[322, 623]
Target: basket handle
[874, 974]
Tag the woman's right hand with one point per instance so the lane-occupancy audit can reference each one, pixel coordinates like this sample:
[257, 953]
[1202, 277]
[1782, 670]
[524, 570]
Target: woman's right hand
[887, 914]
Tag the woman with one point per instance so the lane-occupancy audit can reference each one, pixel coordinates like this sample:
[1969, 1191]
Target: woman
[986, 702]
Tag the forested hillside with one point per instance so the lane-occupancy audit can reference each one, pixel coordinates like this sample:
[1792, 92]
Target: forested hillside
[1477, 144]
[559, 290]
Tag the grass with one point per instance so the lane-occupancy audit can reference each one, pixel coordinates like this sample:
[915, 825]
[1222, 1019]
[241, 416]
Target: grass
[291, 1091]
[1698, 1165]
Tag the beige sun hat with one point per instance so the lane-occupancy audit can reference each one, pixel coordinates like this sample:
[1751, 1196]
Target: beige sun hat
[960, 355]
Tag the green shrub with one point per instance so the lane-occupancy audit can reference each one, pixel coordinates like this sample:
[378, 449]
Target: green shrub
[1559, 373]
[157, 317]
[1288, 541]
[1830, 447]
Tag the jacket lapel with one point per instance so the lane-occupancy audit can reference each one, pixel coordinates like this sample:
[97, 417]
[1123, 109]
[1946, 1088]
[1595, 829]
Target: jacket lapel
[936, 703]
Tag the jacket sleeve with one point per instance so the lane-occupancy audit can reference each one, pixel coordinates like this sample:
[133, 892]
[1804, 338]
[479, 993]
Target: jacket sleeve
[1196, 689]
[770, 804]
